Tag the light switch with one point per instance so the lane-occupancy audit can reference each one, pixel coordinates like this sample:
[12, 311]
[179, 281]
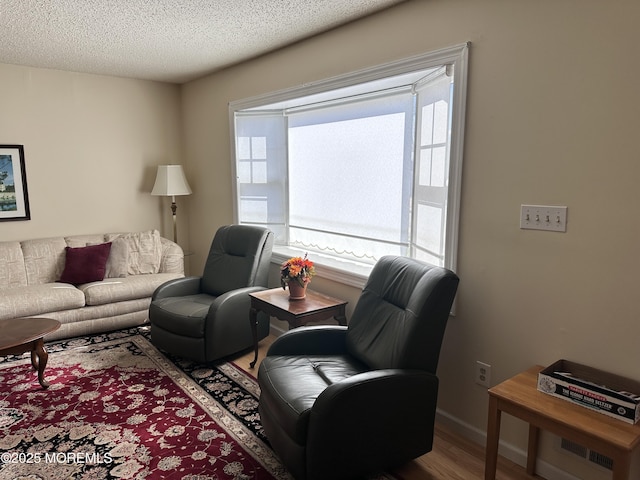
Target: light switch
[543, 217]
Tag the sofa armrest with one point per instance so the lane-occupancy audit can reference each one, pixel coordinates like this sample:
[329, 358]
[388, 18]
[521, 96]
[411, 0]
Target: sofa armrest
[172, 260]
[314, 340]
[178, 287]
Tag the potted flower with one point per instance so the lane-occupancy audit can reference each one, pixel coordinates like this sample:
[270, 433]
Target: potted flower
[297, 272]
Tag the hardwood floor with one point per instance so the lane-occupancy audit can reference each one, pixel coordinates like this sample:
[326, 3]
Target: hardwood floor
[452, 458]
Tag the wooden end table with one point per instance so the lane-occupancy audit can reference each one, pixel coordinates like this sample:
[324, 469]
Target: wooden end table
[27, 334]
[275, 302]
[520, 397]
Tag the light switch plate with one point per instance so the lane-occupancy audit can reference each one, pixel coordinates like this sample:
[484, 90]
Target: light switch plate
[543, 217]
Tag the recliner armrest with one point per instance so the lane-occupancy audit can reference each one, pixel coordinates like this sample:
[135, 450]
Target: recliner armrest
[233, 302]
[227, 327]
[380, 417]
[377, 387]
[315, 340]
[178, 287]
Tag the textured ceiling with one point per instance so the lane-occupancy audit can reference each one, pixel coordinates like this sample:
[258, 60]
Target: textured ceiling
[165, 40]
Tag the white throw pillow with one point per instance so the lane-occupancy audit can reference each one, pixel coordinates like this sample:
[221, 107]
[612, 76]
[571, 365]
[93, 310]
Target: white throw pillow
[118, 262]
[144, 251]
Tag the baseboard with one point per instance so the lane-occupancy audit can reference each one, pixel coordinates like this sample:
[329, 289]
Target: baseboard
[276, 331]
[507, 450]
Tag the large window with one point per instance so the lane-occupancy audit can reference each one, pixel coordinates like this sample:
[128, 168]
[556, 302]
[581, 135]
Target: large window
[357, 167]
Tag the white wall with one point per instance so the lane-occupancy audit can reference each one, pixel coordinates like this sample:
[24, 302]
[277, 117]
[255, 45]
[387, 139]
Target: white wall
[553, 116]
[91, 146]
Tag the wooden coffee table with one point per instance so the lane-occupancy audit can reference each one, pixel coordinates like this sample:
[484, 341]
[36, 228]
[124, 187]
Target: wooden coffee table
[27, 334]
[315, 306]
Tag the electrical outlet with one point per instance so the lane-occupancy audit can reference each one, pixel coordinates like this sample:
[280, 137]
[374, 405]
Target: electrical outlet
[483, 374]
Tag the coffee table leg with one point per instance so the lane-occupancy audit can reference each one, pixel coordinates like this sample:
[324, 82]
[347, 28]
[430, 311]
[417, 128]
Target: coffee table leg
[253, 319]
[39, 358]
[34, 358]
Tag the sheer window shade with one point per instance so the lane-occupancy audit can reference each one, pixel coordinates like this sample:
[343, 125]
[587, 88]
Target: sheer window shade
[353, 171]
[350, 176]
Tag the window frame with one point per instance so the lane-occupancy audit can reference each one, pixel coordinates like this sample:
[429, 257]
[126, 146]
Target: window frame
[457, 57]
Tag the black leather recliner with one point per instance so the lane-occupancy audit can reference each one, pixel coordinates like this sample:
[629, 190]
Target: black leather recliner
[206, 318]
[340, 402]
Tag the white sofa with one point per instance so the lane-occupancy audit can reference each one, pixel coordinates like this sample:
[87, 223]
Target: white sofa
[137, 263]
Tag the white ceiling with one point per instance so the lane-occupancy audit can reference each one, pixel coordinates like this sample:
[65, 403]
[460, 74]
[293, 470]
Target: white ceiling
[165, 40]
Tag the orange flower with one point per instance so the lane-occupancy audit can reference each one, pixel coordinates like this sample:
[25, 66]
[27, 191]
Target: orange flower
[298, 269]
[294, 270]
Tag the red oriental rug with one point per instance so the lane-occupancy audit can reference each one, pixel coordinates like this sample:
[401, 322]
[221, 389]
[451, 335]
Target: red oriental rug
[118, 408]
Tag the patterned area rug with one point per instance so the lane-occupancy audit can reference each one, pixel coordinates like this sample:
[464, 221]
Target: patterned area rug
[118, 408]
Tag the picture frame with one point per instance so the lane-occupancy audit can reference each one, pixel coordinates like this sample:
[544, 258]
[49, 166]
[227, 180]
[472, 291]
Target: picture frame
[14, 196]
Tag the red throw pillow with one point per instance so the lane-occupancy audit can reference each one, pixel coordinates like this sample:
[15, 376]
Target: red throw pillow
[85, 264]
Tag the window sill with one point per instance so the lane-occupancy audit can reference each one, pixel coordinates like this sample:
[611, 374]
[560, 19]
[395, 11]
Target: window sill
[341, 271]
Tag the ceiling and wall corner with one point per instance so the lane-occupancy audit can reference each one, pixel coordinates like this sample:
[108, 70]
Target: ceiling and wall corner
[163, 40]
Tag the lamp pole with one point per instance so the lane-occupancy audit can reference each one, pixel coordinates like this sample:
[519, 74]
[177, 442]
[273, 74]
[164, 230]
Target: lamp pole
[174, 207]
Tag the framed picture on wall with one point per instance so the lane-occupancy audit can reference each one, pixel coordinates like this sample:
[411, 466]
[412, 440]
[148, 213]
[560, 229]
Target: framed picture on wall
[14, 198]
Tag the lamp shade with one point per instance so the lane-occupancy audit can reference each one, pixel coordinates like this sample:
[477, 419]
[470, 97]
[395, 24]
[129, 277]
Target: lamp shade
[170, 181]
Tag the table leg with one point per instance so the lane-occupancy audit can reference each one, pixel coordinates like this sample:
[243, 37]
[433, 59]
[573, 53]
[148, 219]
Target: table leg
[532, 451]
[34, 358]
[341, 318]
[621, 466]
[253, 320]
[493, 437]
[41, 362]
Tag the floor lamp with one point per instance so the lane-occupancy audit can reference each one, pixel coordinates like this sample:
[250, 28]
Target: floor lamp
[171, 182]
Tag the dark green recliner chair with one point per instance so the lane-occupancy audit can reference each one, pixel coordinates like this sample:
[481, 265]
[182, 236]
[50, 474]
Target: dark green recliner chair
[206, 318]
[342, 402]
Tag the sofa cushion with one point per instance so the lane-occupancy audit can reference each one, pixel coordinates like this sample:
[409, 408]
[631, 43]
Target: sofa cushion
[12, 270]
[118, 262]
[38, 299]
[172, 257]
[119, 289]
[85, 264]
[43, 259]
[76, 241]
[145, 251]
